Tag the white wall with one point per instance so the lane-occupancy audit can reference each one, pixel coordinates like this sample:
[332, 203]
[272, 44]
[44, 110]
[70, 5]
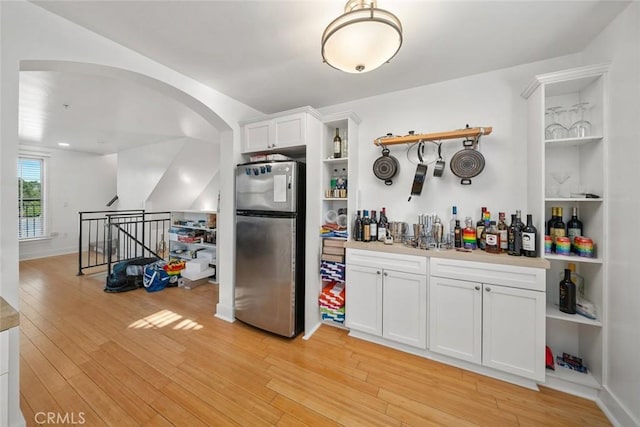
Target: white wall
[619, 43]
[75, 182]
[489, 99]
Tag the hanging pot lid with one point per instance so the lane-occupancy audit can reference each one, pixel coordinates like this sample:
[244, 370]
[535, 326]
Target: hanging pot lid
[467, 163]
[385, 167]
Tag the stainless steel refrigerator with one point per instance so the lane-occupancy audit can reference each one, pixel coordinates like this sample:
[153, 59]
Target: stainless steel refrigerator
[270, 224]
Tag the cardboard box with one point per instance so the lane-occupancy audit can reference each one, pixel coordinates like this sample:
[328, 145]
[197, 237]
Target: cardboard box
[331, 250]
[338, 243]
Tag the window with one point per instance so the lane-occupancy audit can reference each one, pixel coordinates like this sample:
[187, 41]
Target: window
[31, 207]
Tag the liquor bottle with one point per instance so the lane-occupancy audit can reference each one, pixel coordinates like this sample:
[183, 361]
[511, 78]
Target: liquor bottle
[383, 224]
[502, 230]
[452, 224]
[552, 220]
[357, 226]
[373, 227]
[483, 236]
[577, 279]
[469, 235]
[518, 234]
[337, 145]
[492, 239]
[512, 237]
[558, 228]
[530, 238]
[480, 226]
[567, 293]
[457, 235]
[334, 181]
[366, 234]
[574, 228]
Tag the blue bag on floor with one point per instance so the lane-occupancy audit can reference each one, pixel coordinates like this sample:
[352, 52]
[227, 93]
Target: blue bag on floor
[155, 278]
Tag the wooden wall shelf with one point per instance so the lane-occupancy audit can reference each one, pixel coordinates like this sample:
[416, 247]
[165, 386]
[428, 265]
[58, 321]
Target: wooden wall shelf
[454, 134]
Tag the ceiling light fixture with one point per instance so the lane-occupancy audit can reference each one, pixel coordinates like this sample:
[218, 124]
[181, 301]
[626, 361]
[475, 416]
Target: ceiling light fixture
[362, 39]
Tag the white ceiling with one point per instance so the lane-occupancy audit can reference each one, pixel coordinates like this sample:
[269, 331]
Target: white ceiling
[266, 53]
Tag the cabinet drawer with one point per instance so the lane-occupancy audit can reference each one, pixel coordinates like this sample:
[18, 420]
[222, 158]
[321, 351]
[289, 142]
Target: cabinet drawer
[4, 351]
[498, 274]
[388, 261]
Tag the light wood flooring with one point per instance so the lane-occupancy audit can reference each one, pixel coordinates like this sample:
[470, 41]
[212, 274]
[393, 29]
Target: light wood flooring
[161, 359]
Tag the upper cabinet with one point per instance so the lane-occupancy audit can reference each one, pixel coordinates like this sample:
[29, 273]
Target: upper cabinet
[278, 132]
[568, 162]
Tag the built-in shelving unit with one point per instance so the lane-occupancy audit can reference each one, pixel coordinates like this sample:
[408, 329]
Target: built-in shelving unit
[560, 170]
[193, 235]
[346, 166]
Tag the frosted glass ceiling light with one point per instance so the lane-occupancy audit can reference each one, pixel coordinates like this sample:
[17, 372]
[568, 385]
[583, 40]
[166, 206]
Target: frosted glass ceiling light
[362, 39]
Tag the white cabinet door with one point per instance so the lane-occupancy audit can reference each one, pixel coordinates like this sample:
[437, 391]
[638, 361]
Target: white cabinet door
[4, 398]
[404, 308]
[289, 130]
[4, 352]
[514, 330]
[257, 136]
[455, 318]
[363, 299]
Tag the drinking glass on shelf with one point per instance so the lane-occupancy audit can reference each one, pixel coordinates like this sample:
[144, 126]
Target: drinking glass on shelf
[560, 178]
[556, 130]
[581, 128]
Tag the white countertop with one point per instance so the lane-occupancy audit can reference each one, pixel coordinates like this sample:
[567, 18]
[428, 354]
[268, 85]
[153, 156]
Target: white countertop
[476, 255]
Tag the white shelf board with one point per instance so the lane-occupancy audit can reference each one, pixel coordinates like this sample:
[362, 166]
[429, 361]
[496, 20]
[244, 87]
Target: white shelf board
[203, 245]
[553, 312]
[333, 199]
[573, 258]
[334, 324]
[340, 160]
[568, 142]
[575, 377]
[191, 227]
[572, 199]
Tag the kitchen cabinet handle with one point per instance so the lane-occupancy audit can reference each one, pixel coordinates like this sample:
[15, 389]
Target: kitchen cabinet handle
[386, 274]
[488, 289]
[377, 272]
[477, 288]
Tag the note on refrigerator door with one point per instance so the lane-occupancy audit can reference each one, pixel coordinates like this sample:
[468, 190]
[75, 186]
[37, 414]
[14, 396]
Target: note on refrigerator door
[279, 188]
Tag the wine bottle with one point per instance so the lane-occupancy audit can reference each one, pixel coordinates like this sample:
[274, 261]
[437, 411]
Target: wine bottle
[457, 235]
[502, 230]
[357, 226]
[530, 238]
[480, 226]
[373, 227]
[337, 145]
[551, 221]
[567, 293]
[574, 228]
[366, 234]
[559, 228]
[383, 224]
[515, 236]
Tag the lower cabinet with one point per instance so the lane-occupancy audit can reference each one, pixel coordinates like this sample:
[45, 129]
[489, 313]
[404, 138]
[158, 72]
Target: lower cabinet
[487, 321]
[386, 300]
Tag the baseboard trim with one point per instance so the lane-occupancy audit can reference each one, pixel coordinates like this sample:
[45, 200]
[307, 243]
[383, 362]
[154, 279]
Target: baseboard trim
[313, 330]
[225, 313]
[618, 413]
